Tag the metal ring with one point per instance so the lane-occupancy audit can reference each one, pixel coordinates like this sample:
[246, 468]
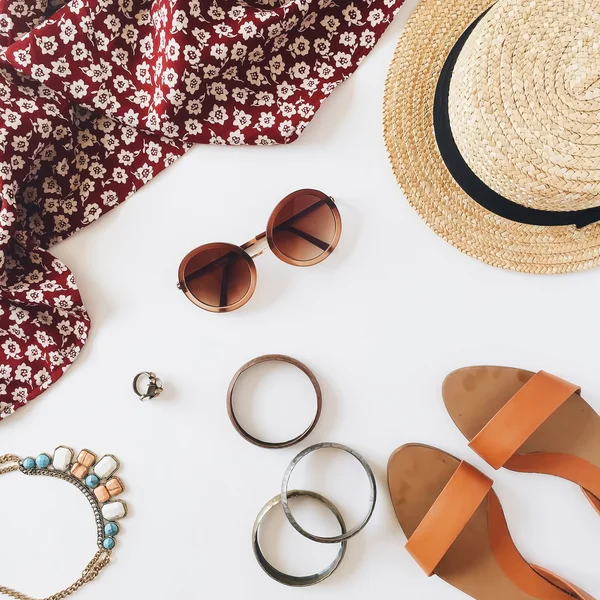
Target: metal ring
[293, 580]
[268, 358]
[153, 388]
[284, 494]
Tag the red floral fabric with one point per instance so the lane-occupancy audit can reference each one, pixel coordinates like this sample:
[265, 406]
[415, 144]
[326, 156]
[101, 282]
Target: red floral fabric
[98, 96]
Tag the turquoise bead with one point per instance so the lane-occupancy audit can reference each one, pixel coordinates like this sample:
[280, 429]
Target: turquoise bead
[42, 461]
[108, 543]
[92, 481]
[111, 529]
[28, 464]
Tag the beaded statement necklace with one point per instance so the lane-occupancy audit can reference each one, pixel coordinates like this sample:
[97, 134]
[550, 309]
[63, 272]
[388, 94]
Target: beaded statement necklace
[97, 481]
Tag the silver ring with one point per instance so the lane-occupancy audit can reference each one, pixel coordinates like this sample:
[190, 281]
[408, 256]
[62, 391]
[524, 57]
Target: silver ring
[293, 580]
[344, 535]
[154, 387]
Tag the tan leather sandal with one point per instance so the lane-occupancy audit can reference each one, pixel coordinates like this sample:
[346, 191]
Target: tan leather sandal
[456, 529]
[527, 422]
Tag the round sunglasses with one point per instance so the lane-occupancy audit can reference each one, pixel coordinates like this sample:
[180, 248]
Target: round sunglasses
[303, 230]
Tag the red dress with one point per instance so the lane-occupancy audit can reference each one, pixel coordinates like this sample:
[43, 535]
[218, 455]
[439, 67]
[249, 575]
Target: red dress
[98, 96]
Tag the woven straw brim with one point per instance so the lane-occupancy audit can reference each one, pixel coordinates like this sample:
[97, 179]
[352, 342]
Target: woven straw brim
[428, 37]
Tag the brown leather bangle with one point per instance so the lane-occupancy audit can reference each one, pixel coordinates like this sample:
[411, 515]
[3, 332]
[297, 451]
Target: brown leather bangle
[270, 358]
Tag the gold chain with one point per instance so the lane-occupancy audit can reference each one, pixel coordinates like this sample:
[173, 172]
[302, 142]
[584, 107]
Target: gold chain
[9, 458]
[98, 562]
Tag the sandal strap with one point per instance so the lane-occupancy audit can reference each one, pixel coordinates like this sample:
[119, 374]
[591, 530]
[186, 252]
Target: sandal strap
[565, 585]
[533, 581]
[520, 417]
[566, 466]
[448, 516]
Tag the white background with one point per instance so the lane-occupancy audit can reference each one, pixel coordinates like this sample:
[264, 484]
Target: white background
[380, 322]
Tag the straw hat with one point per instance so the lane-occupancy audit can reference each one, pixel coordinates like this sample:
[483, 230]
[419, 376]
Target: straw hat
[492, 124]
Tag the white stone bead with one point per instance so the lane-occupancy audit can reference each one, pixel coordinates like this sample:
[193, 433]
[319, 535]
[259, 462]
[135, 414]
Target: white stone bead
[62, 458]
[106, 466]
[114, 510]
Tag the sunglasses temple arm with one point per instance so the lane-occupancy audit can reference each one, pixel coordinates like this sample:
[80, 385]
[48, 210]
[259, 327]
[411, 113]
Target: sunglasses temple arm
[306, 236]
[286, 226]
[225, 282]
[211, 265]
[302, 213]
[222, 259]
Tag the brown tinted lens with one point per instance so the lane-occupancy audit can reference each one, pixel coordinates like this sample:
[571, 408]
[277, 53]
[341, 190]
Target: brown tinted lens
[304, 226]
[218, 275]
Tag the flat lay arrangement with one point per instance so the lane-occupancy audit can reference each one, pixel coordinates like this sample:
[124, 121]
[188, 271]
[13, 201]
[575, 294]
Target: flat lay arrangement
[102, 96]
[489, 120]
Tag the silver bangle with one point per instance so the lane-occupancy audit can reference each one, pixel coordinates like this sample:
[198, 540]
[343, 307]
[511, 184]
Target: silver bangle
[345, 535]
[293, 580]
